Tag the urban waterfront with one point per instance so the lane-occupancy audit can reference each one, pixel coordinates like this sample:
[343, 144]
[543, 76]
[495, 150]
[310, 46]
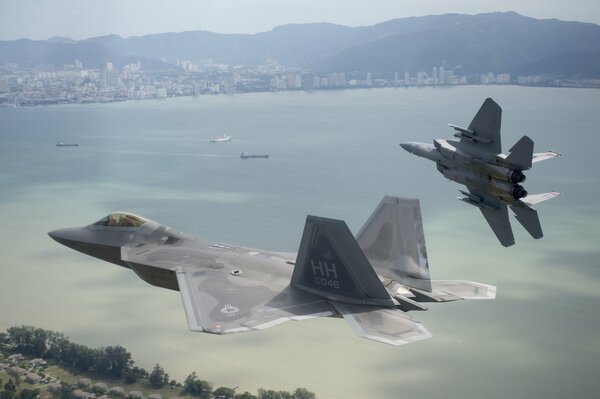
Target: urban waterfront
[76, 84]
[334, 154]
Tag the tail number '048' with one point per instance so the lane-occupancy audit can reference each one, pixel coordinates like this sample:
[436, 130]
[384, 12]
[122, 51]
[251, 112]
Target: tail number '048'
[325, 282]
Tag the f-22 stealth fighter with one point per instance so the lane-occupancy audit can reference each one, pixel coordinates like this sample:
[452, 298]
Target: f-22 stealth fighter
[492, 178]
[371, 280]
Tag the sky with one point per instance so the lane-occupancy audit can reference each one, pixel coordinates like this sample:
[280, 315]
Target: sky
[80, 19]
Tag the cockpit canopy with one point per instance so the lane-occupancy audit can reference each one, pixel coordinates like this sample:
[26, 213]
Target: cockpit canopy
[121, 219]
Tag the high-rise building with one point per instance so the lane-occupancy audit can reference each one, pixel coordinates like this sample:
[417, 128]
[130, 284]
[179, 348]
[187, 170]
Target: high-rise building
[369, 79]
[435, 76]
[406, 79]
[396, 81]
[420, 78]
[103, 78]
[316, 82]
[441, 76]
[308, 81]
[449, 77]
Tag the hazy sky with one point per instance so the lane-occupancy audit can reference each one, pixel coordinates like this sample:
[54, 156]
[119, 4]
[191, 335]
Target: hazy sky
[41, 19]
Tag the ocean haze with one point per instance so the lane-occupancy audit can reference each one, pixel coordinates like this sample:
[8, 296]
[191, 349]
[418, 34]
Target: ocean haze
[333, 154]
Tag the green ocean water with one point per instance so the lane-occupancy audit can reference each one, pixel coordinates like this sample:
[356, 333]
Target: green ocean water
[333, 154]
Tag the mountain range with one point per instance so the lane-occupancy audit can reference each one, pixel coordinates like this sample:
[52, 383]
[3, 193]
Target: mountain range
[492, 42]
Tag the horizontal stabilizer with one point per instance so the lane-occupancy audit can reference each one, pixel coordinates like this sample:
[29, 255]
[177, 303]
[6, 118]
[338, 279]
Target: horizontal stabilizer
[389, 326]
[464, 289]
[537, 198]
[331, 264]
[521, 153]
[542, 156]
[528, 217]
[437, 296]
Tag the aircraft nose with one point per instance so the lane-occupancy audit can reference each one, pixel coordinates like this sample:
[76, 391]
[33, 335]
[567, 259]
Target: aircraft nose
[64, 235]
[57, 235]
[410, 147]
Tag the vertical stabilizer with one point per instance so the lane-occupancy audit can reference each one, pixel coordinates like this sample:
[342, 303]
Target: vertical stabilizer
[394, 242]
[521, 154]
[486, 127]
[331, 264]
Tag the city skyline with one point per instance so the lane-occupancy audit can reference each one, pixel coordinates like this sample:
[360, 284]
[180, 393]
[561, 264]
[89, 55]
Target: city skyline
[44, 19]
[74, 83]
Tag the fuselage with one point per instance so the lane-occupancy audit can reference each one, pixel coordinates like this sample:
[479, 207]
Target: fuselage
[155, 252]
[459, 165]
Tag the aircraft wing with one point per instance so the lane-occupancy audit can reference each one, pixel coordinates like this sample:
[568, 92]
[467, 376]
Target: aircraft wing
[533, 199]
[496, 214]
[390, 326]
[542, 156]
[221, 303]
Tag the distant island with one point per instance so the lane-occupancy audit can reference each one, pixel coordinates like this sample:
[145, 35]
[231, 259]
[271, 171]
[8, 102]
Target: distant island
[38, 363]
[435, 50]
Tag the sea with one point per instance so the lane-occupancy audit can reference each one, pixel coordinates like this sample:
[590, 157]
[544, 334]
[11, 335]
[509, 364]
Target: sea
[333, 154]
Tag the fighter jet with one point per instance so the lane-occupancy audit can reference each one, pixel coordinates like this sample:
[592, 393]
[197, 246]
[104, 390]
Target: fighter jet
[371, 280]
[492, 178]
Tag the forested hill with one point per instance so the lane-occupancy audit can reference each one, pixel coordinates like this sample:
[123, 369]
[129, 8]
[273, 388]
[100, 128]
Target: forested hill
[492, 42]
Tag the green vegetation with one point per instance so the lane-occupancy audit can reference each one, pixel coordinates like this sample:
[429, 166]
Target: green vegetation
[114, 365]
[158, 378]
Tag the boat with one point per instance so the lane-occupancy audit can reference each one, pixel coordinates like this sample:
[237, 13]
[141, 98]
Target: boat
[61, 144]
[220, 139]
[244, 155]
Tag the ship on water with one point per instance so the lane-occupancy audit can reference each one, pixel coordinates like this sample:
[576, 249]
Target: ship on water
[61, 144]
[245, 155]
[220, 139]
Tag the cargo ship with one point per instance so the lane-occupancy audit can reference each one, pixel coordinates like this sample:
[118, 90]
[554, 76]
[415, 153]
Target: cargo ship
[245, 155]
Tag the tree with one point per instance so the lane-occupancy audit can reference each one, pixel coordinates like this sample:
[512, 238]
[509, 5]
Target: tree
[158, 378]
[196, 387]
[57, 346]
[80, 357]
[10, 386]
[135, 374]
[303, 393]
[224, 393]
[245, 395]
[27, 394]
[28, 339]
[17, 379]
[114, 361]
[10, 390]
[269, 394]
[66, 390]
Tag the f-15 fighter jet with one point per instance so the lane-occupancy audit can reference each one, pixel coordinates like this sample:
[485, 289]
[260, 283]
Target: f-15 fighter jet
[492, 178]
[371, 280]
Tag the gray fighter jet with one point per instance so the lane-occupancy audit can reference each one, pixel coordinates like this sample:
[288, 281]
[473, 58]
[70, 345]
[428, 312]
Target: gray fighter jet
[371, 280]
[492, 178]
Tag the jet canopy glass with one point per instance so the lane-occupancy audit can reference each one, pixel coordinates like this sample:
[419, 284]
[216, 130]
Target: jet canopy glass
[120, 219]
